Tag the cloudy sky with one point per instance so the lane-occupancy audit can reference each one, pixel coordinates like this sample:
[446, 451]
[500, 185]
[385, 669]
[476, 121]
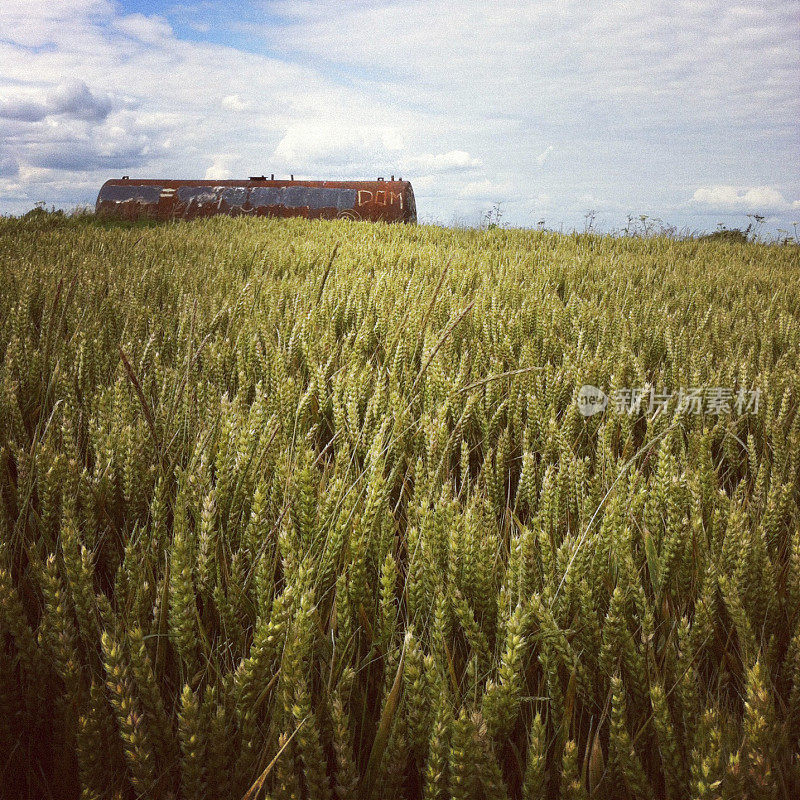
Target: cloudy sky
[683, 111]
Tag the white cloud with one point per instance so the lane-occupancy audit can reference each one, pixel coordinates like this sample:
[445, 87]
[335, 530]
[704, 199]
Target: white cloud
[543, 156]
[755, 199]
[36, 23]
[151, 30]
[71, 98]
[219, 169]
[22, 108]
[234, 102]
[488, 190]
[451, 161]
[520, 56]
[118, 143]
[9, 167]
[337, 143]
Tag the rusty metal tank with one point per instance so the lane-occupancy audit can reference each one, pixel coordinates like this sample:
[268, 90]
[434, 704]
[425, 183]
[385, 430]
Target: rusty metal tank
[380, 200]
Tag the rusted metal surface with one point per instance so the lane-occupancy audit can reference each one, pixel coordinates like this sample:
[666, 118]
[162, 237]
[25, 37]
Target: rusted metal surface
[387, 201]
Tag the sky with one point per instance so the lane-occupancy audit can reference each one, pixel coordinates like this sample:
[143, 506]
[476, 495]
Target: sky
[550, 113]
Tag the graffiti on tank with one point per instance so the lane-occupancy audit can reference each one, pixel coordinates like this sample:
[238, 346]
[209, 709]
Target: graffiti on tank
[381, 197]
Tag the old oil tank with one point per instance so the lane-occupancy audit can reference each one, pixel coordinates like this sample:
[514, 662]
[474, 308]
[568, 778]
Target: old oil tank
[380, 200]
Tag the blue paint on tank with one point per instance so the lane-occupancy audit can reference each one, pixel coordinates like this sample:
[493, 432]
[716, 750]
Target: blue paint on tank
[302, 197]
[123, 194]
[312, 197]
[234, 196]
[199, 195]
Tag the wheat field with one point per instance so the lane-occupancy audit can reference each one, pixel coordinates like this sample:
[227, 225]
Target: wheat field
[310, 510]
